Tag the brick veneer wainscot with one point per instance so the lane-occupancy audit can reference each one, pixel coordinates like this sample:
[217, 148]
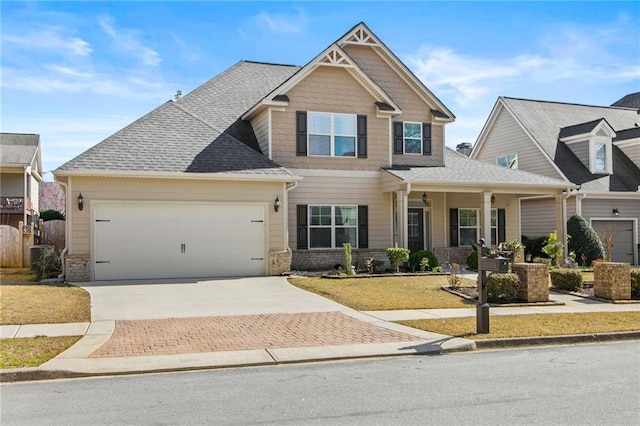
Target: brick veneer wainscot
[612, 280]
[534, 281]
[77, 268]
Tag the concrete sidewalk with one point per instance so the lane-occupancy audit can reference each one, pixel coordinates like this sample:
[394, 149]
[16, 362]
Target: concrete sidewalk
[311, 328]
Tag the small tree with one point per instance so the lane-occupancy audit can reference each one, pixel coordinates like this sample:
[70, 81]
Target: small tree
[584, 241]
[553, 247]
[347, 259]
[397, 256]
[608, 237]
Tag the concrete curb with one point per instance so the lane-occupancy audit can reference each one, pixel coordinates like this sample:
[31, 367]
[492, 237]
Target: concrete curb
[568, 339]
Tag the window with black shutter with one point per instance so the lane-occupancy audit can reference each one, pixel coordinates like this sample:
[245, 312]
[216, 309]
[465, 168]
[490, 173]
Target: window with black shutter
[362, 136]
[426, 139]
[363, 226]
[301, 133]
[303, 241]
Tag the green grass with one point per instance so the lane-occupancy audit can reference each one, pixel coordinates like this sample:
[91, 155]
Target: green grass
[32, 351]
[507, 326]
[385, 293]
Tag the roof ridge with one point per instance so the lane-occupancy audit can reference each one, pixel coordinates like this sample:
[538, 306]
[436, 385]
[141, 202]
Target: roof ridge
[191, 114]
[568, 103]
[269, 63]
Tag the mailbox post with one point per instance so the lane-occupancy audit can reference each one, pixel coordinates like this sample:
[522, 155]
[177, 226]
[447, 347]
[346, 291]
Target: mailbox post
[486, 263]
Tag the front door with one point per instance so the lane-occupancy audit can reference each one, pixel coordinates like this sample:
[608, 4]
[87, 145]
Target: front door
[416, 230]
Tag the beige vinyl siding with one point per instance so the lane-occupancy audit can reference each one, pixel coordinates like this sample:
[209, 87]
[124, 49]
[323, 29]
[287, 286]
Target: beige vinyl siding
[581, 150]
[507, 137]
[35, 194]
[603, 209]
[413, 107]
[260, 126]
[329, 89]
[12, 184]
[171, 190]
[348, 191]
[538, 217]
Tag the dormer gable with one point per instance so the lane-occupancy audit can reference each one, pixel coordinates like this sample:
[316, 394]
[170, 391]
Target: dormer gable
[591, 142]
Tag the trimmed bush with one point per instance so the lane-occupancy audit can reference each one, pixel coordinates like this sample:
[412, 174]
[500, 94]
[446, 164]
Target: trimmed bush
[47, 215]
[635, 283]
[566, 279]
[472, 260]
[584, 241]
[397, 256]
[502, 287]
[533, 246]
[416, 258]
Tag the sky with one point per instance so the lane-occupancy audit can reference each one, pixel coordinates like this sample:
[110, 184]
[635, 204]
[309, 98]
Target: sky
[77, 72]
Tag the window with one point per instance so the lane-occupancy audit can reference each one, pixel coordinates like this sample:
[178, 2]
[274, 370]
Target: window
[331, 226]
[332, 134]
[509, 161]
[601, 157]
[412, 138]
[494, 227]
[468, 226]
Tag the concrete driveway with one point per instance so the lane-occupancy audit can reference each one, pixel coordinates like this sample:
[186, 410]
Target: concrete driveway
[136, 300]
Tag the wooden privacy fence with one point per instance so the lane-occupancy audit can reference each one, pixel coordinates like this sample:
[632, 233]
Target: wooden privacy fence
[10, 247]
[53, 234]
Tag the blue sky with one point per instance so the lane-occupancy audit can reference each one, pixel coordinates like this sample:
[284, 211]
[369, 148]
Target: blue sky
[76, 72]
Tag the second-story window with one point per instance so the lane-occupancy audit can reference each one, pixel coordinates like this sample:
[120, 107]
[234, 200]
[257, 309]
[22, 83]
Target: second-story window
[332, 134]
[601, 157]
[509, 161]
[412, 138]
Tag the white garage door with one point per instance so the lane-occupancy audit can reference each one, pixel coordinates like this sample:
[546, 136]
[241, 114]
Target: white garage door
[177, 241]
[623, 244]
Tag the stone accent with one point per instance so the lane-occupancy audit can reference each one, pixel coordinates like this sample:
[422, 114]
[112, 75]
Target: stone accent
[452, 254]
[279, 262]
[319, 260]
[534, 281]
[612, 280]
[77, 268]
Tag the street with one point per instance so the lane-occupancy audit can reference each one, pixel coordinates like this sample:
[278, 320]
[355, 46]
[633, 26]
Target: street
[585, 384]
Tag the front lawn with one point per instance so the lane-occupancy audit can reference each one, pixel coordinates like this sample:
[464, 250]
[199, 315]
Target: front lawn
[23, 301]
[508, 326]
[32, 351]
[386, 293]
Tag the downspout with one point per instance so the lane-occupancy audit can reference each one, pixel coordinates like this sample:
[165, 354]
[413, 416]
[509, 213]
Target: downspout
[64, 251]
[24, 198]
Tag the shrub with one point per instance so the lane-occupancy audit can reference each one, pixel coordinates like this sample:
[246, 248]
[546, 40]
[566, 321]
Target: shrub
[416, 257]
[455, 275]
[584, 240]
[635, 283]
[46, 263]
[533, 246]
[566, 279]
[347, 259]
[47, 215]
[472, 260]
[502, 287]
[397, 256]
[553, 247]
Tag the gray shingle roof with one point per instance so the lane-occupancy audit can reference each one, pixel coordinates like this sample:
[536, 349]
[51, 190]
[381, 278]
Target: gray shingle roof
[200, 133]
[460, 169]
[631, 100]
[579, 129]
[18, 148]
[545, 121]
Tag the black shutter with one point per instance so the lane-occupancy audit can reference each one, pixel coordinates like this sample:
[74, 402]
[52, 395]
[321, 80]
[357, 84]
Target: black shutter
[501, 226]
[302, 227]
[398, 137]
[426, 139]
[453, 227]
[363, 227]
[301, 132]
[362, 136]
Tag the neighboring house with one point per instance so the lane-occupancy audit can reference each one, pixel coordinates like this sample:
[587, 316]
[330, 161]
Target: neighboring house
[20, 177]
[594, 147]
[268, 168]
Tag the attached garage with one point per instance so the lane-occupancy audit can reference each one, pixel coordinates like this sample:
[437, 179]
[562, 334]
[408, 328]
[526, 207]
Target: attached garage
[623, 246]
[175, 240]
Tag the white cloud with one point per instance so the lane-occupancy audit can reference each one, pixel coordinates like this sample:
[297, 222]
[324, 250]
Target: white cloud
[127, 40]
[50, 39]
[281, 23]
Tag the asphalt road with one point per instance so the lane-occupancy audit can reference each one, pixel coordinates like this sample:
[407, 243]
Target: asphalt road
[574, 385]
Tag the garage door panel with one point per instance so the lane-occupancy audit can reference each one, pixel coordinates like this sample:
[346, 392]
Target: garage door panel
[623, 245]
[158, 241]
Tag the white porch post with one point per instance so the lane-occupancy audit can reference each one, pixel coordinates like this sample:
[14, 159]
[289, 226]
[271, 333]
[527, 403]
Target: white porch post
[402, 215]
[561, 222]
[486, 218]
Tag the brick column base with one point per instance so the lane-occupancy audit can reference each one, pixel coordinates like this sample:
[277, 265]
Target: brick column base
[534, 281]
[77, 268]
[612, 280]
[279, 262]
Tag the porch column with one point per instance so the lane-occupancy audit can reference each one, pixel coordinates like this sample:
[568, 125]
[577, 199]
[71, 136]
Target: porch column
[402, 215]
[486, 218]
[561, 222]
